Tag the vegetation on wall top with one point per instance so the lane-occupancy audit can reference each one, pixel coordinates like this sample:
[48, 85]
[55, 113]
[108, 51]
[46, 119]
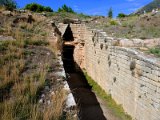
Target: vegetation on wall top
[37, 8]
[66, 8]
[8, 4]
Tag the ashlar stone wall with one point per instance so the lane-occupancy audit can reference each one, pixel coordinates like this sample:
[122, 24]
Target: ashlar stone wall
[132, 78]
[79, 37]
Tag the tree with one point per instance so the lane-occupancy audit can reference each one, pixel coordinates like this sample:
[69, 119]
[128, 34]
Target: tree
[66, 8]
[8, 4]
[37, 8]
[110, 13]
[48, 9]
[121, 15]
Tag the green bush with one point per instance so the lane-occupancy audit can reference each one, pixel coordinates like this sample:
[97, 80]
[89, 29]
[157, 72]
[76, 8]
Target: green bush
[155, 51]
[4, 45]
[66, 8]
[8, 4]
[37, 8]
[113, 22]
[121, 15]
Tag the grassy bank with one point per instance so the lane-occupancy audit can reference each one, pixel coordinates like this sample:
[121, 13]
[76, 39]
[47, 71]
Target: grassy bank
[24, 73]
[20, 90]
[111, 104]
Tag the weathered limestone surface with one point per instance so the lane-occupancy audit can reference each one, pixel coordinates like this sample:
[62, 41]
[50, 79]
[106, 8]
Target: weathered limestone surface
[132, 78]
[79, 37]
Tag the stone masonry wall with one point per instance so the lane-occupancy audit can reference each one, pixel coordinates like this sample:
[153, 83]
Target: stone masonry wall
[79, 37]
[132, 79]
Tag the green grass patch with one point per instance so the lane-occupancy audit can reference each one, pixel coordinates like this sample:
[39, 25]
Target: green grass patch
[3, 45]
[111, 104]
[155, 51]
[36, 42]
[113, 22]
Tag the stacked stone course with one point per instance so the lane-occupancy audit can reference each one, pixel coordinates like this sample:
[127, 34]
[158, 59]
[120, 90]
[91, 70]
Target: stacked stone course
[132, 78]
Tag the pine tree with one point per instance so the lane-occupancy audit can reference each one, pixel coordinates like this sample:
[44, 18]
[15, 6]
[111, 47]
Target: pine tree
[110, 13]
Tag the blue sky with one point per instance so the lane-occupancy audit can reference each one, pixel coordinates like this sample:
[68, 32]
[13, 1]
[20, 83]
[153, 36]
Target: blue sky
[92, 7]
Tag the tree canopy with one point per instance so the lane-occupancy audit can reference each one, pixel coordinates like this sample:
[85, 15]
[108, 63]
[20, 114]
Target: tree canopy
[121, 15]
[37, 8]
[8, 4]
[66, 8]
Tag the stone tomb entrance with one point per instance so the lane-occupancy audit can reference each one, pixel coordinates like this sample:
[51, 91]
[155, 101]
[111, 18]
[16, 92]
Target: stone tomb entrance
[89, 107]
[68, 35]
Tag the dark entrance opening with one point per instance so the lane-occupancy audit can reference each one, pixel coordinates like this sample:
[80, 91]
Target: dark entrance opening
[85, 98]
[68, 59]
[68, 35]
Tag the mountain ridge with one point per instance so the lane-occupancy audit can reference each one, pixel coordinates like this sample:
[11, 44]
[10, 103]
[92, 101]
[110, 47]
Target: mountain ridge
[149, 7]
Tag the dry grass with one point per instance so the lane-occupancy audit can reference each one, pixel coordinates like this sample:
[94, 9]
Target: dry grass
[2, 8]
[19, 94]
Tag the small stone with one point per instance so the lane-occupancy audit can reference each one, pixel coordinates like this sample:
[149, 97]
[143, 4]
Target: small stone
[59, 79]
[52, 93]
[75, 116]
[41, 101]
[8, 13]
[66, 86]
[42, 96]
[48, 53]
[48, 102]
[46, 87]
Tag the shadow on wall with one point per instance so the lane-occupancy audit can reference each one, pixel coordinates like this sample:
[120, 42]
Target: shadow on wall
[87, 102]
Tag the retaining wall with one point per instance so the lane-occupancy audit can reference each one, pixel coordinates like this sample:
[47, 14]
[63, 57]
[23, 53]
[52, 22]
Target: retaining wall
[132, 78]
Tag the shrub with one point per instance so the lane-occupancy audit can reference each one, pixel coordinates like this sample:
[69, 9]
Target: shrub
[37, 8]
[66, 8]
[155, 51]
[113, 22]
[48, 9]
[121, 15]
[8, 4]
[4, 45]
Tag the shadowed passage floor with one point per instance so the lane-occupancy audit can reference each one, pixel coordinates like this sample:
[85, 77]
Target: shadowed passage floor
[87, 102]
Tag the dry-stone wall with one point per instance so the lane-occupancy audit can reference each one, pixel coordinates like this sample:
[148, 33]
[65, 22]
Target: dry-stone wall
[132, 79]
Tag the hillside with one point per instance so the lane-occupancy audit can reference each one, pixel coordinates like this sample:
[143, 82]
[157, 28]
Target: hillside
[29, 64]
[149, 7]
[143, 26]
